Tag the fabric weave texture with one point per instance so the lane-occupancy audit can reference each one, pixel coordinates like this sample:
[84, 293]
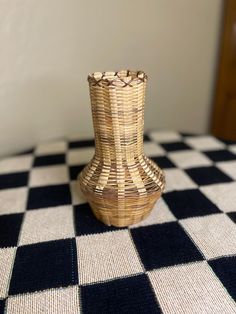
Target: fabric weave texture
[55, 257]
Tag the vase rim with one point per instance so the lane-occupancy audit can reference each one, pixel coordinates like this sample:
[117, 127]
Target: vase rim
[121, 78]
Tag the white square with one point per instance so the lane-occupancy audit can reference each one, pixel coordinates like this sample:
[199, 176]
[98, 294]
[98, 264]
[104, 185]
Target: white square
[189, 159]
[47, 224]
[177, 179]
[228, 167]
[153, 149]
[204, 142]
[215, 235]
[159, 214]
[53, 301]
[13, 200]
[7, 257]
[191, 288]
[51, 148]
[16, 164]
[106, 256]
[232, 148]
[80, 156]
[223, 195]
[165, 136]
[77, 196]
[49, 175]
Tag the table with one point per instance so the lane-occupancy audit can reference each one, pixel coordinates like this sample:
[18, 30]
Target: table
[55, 257]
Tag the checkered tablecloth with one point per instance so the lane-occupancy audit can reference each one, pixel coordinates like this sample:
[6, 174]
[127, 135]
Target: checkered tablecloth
[55, 257]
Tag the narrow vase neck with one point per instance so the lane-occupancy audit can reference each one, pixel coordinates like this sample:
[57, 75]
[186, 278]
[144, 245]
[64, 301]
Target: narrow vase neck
[117, 101]
[118, 135]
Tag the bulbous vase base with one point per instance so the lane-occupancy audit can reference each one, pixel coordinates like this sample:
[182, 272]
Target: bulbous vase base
[125, 205]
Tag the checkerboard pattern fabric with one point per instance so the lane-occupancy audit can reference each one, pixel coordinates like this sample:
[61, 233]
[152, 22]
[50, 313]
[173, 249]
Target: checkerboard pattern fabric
[55, 257]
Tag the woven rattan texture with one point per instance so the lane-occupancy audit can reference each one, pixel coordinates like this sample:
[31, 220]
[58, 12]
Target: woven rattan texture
[120, 183]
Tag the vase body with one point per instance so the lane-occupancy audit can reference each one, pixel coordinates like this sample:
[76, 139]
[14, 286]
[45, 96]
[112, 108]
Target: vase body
[120, 183]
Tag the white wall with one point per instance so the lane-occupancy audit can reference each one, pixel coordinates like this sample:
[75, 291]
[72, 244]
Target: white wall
[47, 47]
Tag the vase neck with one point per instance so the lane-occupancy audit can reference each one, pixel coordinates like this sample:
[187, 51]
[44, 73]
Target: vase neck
[118, 118]
[124, 149]
[118, 135]
[120, 143]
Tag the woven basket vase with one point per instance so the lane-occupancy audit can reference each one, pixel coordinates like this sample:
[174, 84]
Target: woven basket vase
[120, 183]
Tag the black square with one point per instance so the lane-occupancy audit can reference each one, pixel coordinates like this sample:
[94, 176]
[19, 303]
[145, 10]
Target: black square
[86, 223]
[126, 295]
[208, 175]
[189, 203]
[44, 265]
[75, 170]
[232, 216]
[2, 306]
[49, 196]
[175, 146]
[164, 245]
[82, 143]
[13, 180]
[225, 270]
[146, 138]
[227, 142]
[26, 152]
[187, 134]
[220, 155]
[49, 160]
[9, 229]
[163, 162]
